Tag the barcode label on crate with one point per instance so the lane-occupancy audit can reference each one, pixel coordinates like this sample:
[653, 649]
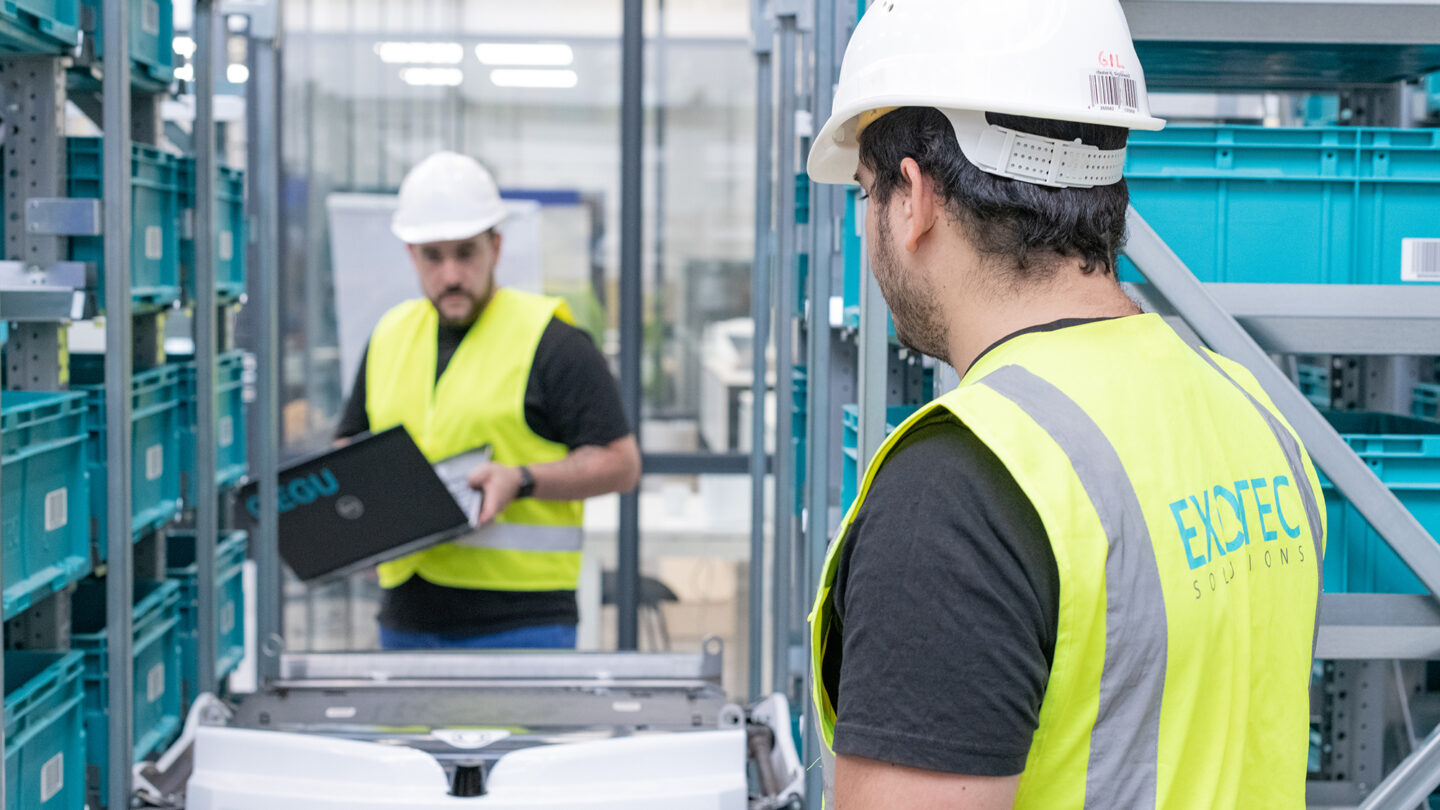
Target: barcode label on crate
[227, 246]
[52, 777]
[155, 683]
[227, 431]
[57, 509]
[227, 618]
[154, 462]
[154, 242]
[151, 17]
[1113, 91]
[1420, 259]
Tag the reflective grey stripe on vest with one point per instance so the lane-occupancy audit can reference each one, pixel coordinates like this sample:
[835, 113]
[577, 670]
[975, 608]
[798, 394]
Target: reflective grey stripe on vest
[1125, 741]
[524, 537]
[827, 762]
[1291, 448]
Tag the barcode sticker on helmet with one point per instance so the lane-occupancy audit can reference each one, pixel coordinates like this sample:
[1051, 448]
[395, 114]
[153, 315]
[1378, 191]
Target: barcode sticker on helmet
[155, 683]
[57, 509]
[52, 777]
[1114, 91]
[227, 431]
[1420, 259]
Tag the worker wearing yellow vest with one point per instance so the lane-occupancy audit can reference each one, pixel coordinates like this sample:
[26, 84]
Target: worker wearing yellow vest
[476, 364]
[1088, 576]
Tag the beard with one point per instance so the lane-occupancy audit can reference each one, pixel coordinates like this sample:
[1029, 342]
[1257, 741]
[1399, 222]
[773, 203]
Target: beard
[919, 323]
[475, 305]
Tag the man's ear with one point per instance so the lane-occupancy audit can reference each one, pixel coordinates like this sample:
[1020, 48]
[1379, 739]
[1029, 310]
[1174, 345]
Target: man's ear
[918, 208]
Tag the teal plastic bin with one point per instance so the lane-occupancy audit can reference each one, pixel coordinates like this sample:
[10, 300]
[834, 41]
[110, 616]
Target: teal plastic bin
[155, 214]
[155, 704]
[1405, 454]
[1314, 383]
[229, 607]
[50, 27]
[229, 231]
[1314, 205]
[231, 466]
[44, 731]
[850, 453]
[46, 491]
[152, 37]
[155, 418]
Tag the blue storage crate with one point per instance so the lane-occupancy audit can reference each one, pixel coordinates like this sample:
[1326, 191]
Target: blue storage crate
[181, 567]
[39, 26]
[152, 37]
[1341, 205]
[229, 231]
[850, 443]
[1432, 93]
[155, 704]
[1425, 401]
[46, 504]
[230, 462]
[156, 397]
[44, 731]
[1405, 454]
[155, 215]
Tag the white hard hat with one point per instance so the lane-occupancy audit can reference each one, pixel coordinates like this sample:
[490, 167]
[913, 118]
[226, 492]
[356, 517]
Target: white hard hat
[446, 197]
[1068, 60]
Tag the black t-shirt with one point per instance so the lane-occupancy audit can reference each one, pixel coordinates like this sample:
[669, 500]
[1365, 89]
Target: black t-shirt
[570, 399]
[946, 601]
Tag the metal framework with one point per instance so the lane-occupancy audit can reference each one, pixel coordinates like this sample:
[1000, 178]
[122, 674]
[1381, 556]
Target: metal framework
[1235, 44]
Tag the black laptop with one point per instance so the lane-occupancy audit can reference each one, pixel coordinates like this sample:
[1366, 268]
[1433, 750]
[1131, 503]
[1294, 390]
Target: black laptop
[371, 501]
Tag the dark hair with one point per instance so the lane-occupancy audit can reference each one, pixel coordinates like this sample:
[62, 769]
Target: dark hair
[1024, 224]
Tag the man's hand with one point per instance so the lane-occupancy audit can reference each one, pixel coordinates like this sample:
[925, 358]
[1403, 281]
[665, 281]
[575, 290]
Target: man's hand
[499, 483]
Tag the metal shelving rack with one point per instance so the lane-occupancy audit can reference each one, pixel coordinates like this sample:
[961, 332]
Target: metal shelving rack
[42, 293]
[1364, 48]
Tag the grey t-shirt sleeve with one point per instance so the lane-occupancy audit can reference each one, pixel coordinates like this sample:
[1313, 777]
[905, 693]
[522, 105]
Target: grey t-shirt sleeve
[947, 597]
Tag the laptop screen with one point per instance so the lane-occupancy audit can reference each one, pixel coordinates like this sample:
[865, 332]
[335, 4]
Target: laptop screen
[373, 500]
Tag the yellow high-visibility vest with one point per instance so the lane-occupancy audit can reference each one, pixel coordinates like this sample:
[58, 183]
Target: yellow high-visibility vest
[533, 545]
[1187, 524]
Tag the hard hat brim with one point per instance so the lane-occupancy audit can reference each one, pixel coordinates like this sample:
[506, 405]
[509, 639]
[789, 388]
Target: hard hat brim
[444, 231]
[835, 153]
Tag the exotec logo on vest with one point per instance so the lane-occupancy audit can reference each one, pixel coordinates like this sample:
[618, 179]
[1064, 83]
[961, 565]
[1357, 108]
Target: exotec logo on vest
[1232, 517]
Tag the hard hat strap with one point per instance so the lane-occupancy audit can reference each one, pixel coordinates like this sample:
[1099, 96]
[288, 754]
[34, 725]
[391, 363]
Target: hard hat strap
[1034, 158]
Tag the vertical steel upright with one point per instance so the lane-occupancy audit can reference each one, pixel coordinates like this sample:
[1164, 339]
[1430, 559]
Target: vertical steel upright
[263, 127]
[632, 168]
[764, 42]
[206, 492]
[819, 439]
[782, 543]
[119, 582]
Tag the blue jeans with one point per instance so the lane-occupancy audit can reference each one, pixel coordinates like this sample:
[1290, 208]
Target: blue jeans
[541, 637]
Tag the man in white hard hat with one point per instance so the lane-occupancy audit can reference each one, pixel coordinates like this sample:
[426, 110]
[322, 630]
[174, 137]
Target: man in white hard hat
[1087, 577]
[471, 364]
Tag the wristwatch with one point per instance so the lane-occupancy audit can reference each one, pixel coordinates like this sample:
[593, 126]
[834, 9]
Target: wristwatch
[527, 483]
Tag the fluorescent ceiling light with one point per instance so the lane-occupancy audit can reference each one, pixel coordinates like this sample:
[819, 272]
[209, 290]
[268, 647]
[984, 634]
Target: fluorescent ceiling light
[519, 53]
[420, 53]
[185, 73]
[534, 78]
[432, 77]
[237, 74]
[185, 46]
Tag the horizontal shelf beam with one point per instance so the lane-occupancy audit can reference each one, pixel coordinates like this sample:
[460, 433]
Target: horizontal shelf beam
[1364, 626]
[1376, 319]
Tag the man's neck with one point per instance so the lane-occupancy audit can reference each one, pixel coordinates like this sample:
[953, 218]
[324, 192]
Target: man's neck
[978, 322]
